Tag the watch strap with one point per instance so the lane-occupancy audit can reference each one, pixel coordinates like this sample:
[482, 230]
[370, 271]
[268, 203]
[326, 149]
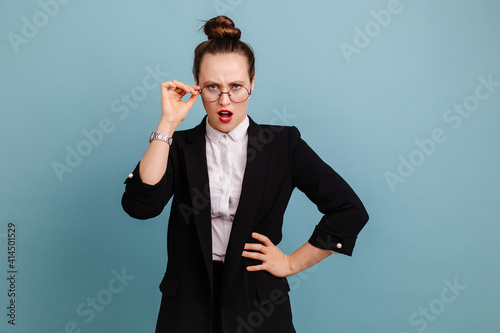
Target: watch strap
[161, 137]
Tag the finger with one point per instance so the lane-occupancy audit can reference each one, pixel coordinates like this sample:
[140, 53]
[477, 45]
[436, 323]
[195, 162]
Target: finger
[190, 102]
[253, 255]
[170, 88]
[193, 89]
[168, 85]
[262, 238]
[185, 87]
[254, 247]
[173, 91]
[196, 88]
[255, 268]
[177, 89]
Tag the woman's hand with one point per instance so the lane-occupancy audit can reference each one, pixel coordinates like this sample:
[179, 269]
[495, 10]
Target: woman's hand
[173, 109]
[273, 260]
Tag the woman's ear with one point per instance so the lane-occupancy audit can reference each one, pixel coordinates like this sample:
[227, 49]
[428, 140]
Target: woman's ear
[195, 81]
[252, 85]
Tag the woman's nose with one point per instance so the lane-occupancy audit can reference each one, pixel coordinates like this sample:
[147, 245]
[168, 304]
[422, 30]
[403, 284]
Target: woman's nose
[224, 98]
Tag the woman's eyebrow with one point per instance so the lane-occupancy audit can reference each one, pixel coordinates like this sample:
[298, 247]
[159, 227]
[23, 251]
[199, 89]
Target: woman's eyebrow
[206, 83]
[240, 82]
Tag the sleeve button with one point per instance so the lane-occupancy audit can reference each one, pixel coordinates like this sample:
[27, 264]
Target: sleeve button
[339, 245]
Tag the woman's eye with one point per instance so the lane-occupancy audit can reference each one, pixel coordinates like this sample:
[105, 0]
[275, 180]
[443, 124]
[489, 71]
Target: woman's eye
[212, 87]
[236, 86]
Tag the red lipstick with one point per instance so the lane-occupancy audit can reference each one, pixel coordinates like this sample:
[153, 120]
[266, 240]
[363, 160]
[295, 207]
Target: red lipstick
[225, 116]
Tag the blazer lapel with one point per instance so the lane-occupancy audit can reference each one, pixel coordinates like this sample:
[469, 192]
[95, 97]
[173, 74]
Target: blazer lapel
[197, 176]
[252, 187]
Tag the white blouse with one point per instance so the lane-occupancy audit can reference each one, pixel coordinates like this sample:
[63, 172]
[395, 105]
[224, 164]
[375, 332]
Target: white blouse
[226, 161]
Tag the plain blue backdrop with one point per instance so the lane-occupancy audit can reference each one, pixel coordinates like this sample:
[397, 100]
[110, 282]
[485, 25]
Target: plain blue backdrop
[400, 97]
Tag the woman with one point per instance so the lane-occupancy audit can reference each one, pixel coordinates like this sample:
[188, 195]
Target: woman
[231, 180]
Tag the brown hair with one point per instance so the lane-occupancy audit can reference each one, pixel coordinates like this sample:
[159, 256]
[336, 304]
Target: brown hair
[223, 37]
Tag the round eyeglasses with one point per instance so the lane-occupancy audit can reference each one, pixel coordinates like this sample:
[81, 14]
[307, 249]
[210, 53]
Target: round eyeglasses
[237, 93]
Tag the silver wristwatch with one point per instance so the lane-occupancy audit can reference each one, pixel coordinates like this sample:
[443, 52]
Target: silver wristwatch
[161, 137]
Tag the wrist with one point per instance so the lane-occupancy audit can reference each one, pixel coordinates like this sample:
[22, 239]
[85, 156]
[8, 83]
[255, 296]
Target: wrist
[166, 128]
[290, 266]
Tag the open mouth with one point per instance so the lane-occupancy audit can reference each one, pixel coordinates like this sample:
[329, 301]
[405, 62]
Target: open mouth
[225, 115]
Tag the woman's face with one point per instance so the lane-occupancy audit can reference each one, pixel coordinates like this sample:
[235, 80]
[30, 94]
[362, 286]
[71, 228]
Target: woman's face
[225, 71]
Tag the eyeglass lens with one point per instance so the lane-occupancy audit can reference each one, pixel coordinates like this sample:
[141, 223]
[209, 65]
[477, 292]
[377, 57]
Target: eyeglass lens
[237, 94]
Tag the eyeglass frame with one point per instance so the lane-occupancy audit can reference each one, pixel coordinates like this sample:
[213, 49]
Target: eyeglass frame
[225, 92]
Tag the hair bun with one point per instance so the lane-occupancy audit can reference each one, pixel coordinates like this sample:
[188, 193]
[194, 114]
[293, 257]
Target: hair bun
[221, 27]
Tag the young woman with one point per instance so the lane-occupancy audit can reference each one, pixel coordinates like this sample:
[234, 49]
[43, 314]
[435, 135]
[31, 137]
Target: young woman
[231, 180]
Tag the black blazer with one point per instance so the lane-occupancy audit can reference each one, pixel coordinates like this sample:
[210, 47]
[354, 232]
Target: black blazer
[278, 160]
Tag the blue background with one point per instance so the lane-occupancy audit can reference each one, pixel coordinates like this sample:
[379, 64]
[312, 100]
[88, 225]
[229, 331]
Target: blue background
[426, 261]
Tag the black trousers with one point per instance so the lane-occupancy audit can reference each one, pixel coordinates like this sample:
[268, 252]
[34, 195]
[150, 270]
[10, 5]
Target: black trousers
[217, 318]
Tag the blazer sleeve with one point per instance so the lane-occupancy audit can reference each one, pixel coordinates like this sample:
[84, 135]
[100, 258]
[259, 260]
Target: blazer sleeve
[144, 201]
[344, 214]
